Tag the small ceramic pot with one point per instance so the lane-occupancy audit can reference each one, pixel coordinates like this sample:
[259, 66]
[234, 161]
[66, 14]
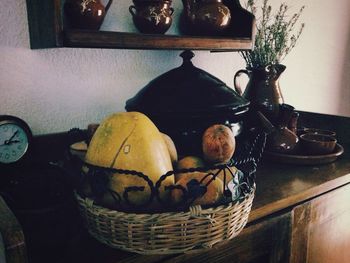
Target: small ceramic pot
[317, 144]
[280, 139]
[86, 14]
[152, 16]
[205, 17]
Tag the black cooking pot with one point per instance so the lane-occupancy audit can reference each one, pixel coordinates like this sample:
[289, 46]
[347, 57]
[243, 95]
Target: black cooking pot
[183, 102]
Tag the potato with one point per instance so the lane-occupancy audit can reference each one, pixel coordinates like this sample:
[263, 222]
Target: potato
[212, 195]
[186, 163]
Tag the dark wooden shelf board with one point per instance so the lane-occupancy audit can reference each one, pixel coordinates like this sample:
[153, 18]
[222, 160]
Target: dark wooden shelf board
[126, 40]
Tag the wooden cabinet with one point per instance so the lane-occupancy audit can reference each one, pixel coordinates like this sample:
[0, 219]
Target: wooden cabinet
[316, 231]
[264, 242]
[321, 231]
[47, 29]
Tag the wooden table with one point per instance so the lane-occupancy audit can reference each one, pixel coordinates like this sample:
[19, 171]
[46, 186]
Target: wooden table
[300, 214]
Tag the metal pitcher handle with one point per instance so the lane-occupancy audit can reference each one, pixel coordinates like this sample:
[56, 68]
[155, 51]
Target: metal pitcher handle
[236, 85]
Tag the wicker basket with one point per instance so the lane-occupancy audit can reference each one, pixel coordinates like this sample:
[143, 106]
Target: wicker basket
[187, 228]
[166, 233]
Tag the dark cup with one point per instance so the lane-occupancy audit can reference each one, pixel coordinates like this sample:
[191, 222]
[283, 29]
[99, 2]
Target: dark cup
[317, 144]
[316, 131]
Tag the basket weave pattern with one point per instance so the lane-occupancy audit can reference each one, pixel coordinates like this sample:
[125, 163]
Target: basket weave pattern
[166, 233]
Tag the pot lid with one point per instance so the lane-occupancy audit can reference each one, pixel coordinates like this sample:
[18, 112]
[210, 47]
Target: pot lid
[186, 90]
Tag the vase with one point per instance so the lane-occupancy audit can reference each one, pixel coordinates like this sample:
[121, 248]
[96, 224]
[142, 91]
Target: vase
[86, 14]
[152, 16]
[263, 90]
[205, 17]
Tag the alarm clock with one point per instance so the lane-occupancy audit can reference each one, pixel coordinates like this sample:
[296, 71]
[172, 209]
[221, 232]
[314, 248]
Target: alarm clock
[15, 139]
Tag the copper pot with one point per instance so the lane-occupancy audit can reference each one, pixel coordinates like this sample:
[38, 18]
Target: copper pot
[205, 17]
[86, 14]
[152, 16]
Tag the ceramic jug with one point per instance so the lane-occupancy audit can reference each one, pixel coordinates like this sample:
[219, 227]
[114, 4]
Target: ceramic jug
[263, 89]
[205, 17]
[86, 14]
[153, 16]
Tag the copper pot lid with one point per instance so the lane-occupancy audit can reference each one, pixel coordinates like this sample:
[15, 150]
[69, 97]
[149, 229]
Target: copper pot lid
[187, 91]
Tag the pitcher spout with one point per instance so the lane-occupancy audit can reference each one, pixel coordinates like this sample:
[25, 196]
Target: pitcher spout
[274, 71]
[279, 69]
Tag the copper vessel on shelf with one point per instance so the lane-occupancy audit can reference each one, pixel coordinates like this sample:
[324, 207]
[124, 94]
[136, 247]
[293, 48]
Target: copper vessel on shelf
[152, 16]
[86, 14]
[205, 17]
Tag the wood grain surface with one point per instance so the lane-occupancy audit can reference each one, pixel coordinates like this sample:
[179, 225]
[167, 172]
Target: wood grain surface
[321, 232]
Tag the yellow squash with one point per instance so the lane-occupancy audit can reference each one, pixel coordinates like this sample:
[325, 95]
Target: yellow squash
[131, 141]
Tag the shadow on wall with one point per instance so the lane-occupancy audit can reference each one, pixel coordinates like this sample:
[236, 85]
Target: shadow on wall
[344, 106]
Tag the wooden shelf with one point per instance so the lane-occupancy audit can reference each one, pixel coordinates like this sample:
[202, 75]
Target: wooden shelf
[104, 39]
[47, 30]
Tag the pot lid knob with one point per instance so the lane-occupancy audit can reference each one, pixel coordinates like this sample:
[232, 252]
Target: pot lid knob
[187, 55]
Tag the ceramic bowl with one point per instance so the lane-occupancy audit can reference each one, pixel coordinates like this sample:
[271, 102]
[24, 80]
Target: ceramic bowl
[317, 144]
[316, 131]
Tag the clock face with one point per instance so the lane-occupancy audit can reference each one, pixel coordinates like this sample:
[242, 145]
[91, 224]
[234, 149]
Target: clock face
[13, 142]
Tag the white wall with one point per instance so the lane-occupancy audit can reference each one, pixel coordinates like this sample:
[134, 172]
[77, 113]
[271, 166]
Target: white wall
[57, 89]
